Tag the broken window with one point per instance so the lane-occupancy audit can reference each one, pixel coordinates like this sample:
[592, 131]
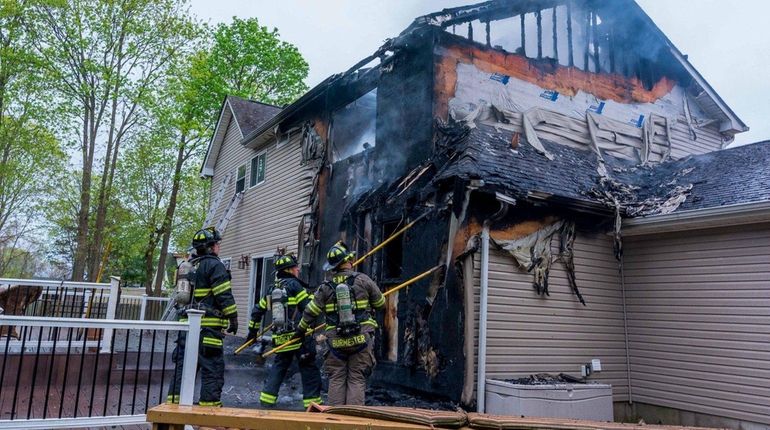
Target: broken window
[393, 253]
[353, 129]
[240, 182]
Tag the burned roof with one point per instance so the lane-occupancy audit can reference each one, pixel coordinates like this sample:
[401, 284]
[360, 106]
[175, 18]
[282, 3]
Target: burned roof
[488, 153]
[573, 178]
[251, 114]
[731, 176]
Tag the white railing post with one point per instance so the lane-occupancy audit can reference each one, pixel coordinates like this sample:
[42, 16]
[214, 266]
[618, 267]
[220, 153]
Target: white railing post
[86, 299]
[112, 308]
[190, 357]
[143, 309]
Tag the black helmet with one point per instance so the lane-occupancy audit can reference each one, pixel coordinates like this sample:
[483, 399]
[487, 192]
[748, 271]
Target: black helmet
[285, 262]
[337, 255]
[206, 237]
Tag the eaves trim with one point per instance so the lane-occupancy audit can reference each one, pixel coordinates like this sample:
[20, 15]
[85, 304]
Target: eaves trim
[722, 216]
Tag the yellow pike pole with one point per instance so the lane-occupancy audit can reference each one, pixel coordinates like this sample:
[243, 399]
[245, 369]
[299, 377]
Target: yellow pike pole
[392, 290]
[390, 239]
[290, 342]
[251, 341]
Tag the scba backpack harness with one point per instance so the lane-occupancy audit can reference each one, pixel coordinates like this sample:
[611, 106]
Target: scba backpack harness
[349, 314]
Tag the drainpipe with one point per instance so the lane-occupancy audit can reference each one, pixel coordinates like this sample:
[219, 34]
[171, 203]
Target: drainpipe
[482, 373]
[504, 201]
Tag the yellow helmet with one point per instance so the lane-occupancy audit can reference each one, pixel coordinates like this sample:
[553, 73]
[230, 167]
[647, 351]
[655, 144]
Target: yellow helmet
[285, 262]
[337, 255]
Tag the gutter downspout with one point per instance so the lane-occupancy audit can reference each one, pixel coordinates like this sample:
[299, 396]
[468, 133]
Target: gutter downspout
[625, 329]
[504, 201]
[482, 372]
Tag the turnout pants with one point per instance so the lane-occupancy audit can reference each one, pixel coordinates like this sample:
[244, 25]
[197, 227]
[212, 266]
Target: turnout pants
[347, 372]
[308, 370]
[211, 364]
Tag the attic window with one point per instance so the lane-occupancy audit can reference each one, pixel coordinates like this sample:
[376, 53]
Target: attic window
[354, 126]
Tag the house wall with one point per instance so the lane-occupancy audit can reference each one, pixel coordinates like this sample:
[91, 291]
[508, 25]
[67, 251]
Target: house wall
[530, 334]
[559, 101]
[269, 213]
[698, 305]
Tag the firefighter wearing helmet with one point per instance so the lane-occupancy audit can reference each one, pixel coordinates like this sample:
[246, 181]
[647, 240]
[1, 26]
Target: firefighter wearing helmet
[285, 302]
[209, 291]
[347, 301]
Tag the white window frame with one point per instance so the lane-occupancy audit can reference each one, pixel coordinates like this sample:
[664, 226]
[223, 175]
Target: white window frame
[245, 177]
[253, 277]
[251, 164]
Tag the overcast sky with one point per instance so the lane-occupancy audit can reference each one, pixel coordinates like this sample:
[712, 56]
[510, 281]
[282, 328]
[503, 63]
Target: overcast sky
[727, 41]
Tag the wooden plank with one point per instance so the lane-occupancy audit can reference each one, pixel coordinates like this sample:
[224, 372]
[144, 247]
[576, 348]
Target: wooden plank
[274, 420]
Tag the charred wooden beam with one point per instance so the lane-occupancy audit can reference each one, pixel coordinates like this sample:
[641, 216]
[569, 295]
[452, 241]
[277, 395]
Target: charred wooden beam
[611, 36]
[489, 41]
[470, 31]
[555, 36]
[595, 38]
[588, 42]
[523, 36]
[569, 35]
[539, 18]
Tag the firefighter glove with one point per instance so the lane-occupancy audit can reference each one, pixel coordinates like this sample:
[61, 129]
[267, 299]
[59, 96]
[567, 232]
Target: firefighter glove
[233, 327]
[300, 333]
[253, 332]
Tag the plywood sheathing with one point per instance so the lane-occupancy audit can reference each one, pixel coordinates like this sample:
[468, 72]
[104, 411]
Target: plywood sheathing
[543, 73]
[497, 232]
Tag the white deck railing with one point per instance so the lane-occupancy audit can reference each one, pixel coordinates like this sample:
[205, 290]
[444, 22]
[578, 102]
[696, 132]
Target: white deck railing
[192, 328]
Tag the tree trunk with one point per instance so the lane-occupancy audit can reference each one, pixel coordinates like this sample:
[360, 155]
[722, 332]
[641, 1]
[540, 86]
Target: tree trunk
[149, 260]
[113, 143]
[169, 218]
[81, 238]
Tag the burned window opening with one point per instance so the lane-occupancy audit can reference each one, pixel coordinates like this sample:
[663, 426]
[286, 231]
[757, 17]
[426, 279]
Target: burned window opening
[393, 253]
[354, 127]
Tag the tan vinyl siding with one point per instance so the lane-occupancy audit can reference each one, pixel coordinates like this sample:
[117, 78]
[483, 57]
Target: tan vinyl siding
[269, 213]
[698, 313]
[531, 334]
[708, 139]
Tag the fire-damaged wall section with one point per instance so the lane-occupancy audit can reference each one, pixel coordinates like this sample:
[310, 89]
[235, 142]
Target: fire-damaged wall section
[531, 331]
[370, 194]
[646, 118]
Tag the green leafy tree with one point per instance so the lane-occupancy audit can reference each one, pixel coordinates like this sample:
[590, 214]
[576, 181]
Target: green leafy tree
[31, 158]
[106, 58]
[251, 61]
[243, 59]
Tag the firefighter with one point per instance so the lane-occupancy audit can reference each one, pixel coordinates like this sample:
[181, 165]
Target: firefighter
[211, 294]
[347, 302]
[286, 301]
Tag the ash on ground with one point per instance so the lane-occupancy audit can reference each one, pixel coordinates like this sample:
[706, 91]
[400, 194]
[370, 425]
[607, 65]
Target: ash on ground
[381, 396]
[246, 372]
[546, 379]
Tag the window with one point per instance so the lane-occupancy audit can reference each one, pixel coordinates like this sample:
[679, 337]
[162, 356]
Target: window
[258, 165]
[354, 126]
[240, 183]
